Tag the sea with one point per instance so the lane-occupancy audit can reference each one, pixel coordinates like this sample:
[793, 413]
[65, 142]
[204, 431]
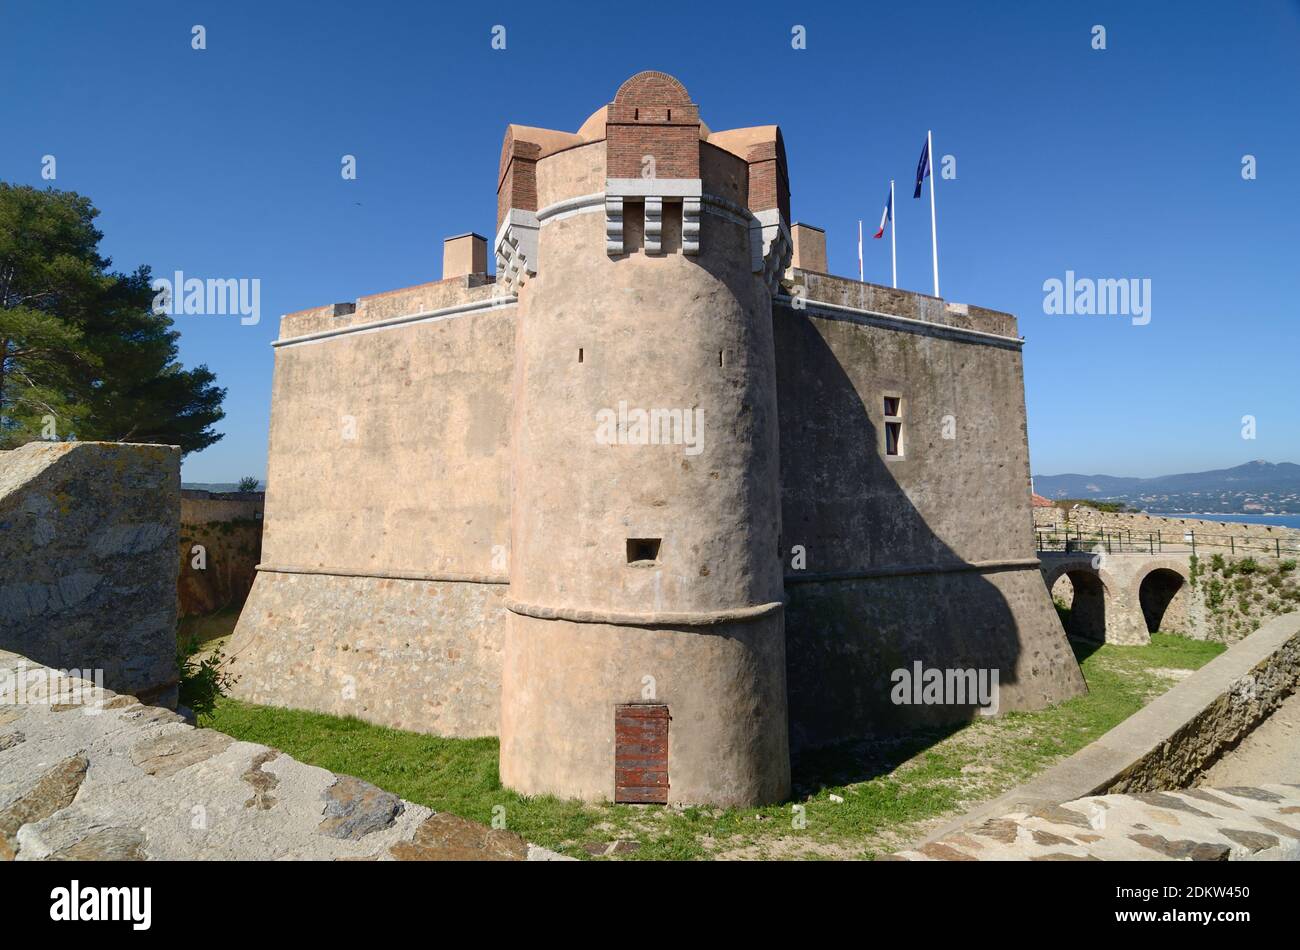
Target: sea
[1285, 521]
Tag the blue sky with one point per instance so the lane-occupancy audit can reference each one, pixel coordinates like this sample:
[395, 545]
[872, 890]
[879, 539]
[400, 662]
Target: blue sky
[1116, 163]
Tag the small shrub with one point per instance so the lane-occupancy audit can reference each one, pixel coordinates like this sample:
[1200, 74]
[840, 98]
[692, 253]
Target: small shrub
[1247, 565]
[1287, 566]
[1214, 593]
[202, 683]
[1216, 563]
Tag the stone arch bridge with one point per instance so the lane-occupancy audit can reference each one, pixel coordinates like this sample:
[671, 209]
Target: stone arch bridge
[1121, 598]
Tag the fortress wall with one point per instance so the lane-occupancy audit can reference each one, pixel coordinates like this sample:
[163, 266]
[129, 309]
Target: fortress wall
[386, 541]
[370, 434]
[1171, 528]
[890, 543]
[88, 536]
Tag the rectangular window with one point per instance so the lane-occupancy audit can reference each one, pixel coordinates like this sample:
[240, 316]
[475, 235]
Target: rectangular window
[893, 426]
[641, 753]
[642, 550]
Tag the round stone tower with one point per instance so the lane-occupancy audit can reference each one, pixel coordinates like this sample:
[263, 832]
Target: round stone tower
[645, 652]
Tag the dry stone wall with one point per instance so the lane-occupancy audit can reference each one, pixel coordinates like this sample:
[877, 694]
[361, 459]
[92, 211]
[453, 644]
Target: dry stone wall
[88, 535]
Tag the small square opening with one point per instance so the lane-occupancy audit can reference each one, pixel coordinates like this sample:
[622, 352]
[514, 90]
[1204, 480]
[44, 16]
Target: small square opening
[642, 550]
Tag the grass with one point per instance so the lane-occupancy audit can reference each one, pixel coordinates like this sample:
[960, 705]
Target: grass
[211, 630]
[891, 788]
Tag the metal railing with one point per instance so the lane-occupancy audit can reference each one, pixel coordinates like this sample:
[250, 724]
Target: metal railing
[1069, 539]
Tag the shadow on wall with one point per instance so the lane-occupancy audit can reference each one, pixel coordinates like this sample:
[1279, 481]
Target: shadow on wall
[880, 610]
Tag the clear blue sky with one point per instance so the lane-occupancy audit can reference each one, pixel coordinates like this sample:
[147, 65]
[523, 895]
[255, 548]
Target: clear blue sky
[1117, 163]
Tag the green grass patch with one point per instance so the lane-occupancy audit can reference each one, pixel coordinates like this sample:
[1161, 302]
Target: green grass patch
[890, 787]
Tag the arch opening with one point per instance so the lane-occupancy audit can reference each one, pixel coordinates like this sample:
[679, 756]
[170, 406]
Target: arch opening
[1086, 596]
[1158, 595]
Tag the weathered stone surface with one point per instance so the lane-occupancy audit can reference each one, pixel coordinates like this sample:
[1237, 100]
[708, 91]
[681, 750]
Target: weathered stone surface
[943, 852]
[88, 536]
[1169, 801]
[105, 844]
[1254, 840]
[1119, 831]
[1259, 794]
[262, 781]
[1062, 816]
[1195, 850]
[160, 790]
[10, 739]
[169, 753]
[54, 790]
[446, 837]
[354, 809]
[1001, 829]
[1047, 837]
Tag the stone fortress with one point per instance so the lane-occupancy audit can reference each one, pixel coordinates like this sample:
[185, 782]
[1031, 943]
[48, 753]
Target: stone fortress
[659, 502]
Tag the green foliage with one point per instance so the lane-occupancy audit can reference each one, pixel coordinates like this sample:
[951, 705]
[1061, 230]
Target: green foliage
[82, 354]
[1287, 566]
[248, 483]
[204, 681]
[1114, 507]
[1247, 565]
[1194, 570]
[1214, 593]
[1217, 563]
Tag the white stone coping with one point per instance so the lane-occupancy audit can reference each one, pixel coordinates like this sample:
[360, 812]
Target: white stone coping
[875, 317]
[424, 316]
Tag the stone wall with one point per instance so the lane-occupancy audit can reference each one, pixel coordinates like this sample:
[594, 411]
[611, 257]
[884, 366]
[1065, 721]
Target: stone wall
[1138, 528]
[88, 538]
[923, 557]
[228, 528]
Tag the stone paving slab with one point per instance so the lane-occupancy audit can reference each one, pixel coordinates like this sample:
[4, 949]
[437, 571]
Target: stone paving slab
[118, 780]
[1235, 823]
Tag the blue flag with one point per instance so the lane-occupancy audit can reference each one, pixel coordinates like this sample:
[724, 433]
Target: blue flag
[922, 167]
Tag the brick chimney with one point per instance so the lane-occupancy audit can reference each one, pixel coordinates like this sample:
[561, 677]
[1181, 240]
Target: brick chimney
[464, 254]
[809, 248]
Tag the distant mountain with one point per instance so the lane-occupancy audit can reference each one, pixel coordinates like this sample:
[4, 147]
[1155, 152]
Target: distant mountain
[1253, 487]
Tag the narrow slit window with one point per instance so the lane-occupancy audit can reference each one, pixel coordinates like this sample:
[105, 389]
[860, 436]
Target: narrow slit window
[893, 431]
[642, 550]
[579, 354]
[721, 361]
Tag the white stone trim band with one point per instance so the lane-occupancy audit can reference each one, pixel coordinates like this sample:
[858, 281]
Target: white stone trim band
[657, 618]
[385, 575]
[906, 570]
[875, 317]
[424, 316]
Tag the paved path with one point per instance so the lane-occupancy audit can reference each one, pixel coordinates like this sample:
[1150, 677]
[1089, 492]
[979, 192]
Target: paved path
[1233, 823]
[1271, 753]
[103, 777]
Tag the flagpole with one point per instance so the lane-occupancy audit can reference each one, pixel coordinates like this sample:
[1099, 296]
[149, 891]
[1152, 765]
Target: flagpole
[893, 232]
[859, 249]
[934, 234]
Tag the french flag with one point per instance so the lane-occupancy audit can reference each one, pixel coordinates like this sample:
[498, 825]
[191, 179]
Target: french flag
[887, 216]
